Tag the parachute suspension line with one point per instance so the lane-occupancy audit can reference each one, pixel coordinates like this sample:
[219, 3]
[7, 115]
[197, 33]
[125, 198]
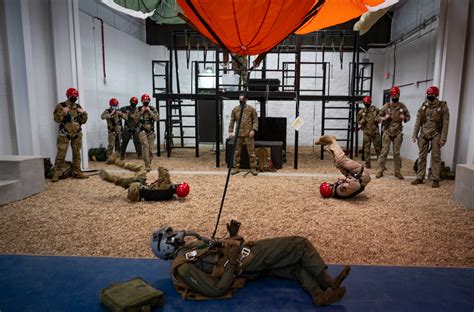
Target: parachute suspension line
[315, 84]
[230, 164]
[213, 33]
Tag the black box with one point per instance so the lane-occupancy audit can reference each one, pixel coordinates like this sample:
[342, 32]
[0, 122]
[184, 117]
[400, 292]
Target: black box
[261, 84]
[275, 146]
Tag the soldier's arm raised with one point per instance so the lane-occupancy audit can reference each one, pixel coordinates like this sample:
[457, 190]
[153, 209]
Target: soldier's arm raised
[59, 113]
[106, 115]
[83, 116]
[156, 115]
[203, 282]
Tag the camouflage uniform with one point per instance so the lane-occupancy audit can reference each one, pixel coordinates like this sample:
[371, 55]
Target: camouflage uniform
[69, 131]
[392, 133]
[114, 128]
[368, 119]
[131, 115]
[208, 275]
[147, 133]
[431, 127]
[356, 177]
[137, 185]
[240, 68]
[249, 123]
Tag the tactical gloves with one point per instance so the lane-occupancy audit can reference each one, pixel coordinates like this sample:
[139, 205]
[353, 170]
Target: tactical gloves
[233, 227]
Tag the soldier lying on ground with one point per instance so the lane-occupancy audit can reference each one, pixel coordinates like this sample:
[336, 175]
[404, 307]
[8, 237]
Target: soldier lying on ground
[206, 268]
[138, 189]
[355, 177]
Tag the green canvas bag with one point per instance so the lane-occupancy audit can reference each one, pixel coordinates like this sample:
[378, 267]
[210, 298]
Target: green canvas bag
[135, 295]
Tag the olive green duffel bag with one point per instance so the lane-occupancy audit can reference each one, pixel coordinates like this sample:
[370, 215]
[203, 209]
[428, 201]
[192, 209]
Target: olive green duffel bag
[134, 295]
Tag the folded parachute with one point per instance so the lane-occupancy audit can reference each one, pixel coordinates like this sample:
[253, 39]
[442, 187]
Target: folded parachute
[160, 11]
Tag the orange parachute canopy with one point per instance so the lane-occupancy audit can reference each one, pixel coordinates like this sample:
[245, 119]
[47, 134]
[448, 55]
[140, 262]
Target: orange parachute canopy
[249, 27]
[335, 12]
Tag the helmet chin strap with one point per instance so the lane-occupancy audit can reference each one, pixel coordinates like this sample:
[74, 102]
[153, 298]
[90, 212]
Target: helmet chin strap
[210, 242]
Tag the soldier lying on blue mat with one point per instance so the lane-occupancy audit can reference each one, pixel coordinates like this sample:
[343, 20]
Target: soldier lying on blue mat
[207, 268]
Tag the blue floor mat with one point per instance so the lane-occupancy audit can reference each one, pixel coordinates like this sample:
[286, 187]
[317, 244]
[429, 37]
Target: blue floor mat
[42, 283]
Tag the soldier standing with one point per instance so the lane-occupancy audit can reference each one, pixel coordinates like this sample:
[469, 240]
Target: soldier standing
[392, 115]
[70, 116]
[431, 128]
[355, 177]
[148, 116]
[368, 119]
[206, 268]
[113, 116]
[131, 116]
[248, 127]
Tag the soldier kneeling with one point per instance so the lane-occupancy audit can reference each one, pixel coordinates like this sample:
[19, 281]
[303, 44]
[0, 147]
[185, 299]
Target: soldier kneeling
[355, 177]
[207, 268]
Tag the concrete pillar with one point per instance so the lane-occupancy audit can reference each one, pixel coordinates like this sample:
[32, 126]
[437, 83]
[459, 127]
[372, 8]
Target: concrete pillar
[452, 56]
[19, 61]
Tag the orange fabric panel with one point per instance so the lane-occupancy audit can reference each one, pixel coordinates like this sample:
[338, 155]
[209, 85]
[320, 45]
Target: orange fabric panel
[248, 27]
[335, 12]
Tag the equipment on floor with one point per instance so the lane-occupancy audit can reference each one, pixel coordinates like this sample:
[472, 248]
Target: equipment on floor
[133, 295]
[64, 172]
[98, 154]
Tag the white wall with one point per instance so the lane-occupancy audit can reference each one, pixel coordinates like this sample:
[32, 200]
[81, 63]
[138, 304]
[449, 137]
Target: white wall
[44, 76]
[464, 142]
[128, 71]
[7, 131]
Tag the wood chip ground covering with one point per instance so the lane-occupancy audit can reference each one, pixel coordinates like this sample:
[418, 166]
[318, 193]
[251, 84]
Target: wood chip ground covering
[390, 223]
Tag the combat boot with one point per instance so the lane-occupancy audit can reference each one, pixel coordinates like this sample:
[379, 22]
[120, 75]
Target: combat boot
[253, 171]
[399, 175]
[80, 175]
[435, 184]
[379, 174]
[323, 298]
[325, 280]
[55, 178]
[326, 140]
[112, 159]
[235, 170]
[417, 181]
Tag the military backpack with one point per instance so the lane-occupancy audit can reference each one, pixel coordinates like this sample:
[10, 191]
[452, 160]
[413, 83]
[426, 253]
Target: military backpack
[135, 295]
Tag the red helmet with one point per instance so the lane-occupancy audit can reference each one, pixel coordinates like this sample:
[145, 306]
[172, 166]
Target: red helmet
[113, 102]
[367, 100]
[325, 189]
[394, 92]
[72, 92]
[182, 190]
[145, 97]
[433, 90]
[134, 100]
